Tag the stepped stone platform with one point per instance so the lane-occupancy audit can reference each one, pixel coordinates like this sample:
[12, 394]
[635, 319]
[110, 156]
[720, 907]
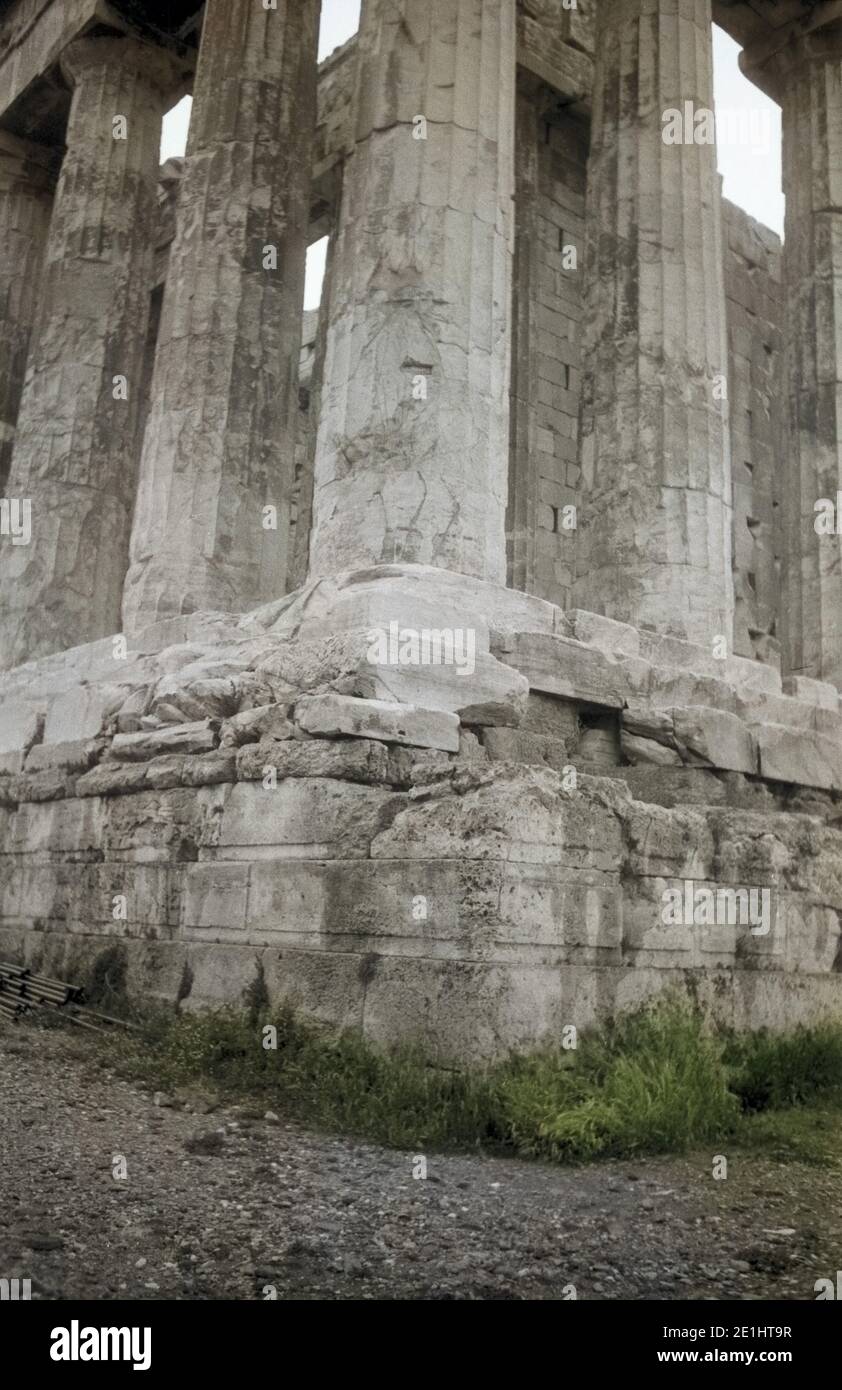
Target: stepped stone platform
[474, 860]
[340, 722]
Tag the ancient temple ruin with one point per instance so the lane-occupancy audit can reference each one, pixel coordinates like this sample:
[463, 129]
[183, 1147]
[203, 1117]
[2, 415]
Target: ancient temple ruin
[460, 662]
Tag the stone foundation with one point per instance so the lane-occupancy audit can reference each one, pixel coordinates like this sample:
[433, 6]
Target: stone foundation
[471, 862]
[403, 796]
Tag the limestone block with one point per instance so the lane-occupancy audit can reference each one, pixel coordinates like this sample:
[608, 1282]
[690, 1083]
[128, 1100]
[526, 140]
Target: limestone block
[414, 596]
[82, 712]
[646, 939]
[132, 710]
[752, 675]
[648, 723]
[51, 785]
[215, 898]
[478, 1008]
[292, 899]
[638, 749]
[352, 760]
[324, 987]
[662, 650]
[494, 693]
[152, 893]
[805, 757]
[251, 725]
[673, 786]
[518, 815]
[78, 755]
[304, 818]
[209, 769]
[819, 693]
[810, 935]
[552, 716]
[561, 666]
[517, 746]
[164, 772]
[668, 687]
[311, 665]
[21, 722]
[414, 767]
[609, 636]
[668, 843]
[175, 824]
[254, 691]
[332, 715]
[111, 779]
[198, 737]
[716, 737]
[828, 721]
[181, 700]
[55, 827]
[794, 852]
[599, 746]
[758, 708]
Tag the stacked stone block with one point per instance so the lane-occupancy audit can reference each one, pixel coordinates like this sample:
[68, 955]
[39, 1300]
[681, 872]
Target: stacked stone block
[547, 347]
[754, 312]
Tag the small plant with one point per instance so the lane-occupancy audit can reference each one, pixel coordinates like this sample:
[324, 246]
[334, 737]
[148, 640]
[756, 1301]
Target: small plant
[774, 1070]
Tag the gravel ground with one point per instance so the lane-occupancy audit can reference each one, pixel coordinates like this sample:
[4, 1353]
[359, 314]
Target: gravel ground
[219, 1202]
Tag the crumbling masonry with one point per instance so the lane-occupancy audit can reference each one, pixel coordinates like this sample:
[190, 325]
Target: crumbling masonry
[411, 666]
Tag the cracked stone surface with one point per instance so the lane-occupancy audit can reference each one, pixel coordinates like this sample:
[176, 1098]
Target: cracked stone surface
[220, 435]
[655, 541]
[411, 455]
[26, 200]
[809, 80]
[74, 447]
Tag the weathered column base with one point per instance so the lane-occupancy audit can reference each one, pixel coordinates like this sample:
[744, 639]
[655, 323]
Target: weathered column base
[473, 853]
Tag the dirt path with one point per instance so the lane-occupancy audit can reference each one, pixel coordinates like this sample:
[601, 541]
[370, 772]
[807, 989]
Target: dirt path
[223, 1204]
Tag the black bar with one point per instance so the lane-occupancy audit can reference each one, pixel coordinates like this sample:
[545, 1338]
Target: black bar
[219, 1338]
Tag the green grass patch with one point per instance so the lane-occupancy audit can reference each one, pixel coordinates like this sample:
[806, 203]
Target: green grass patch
[658, 1081]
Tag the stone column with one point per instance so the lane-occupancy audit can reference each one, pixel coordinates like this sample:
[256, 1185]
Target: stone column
[412, 452]
[220, 436]
[26, 200]
[73, 450]
[655, 523]
[523, 487]
[806, 78]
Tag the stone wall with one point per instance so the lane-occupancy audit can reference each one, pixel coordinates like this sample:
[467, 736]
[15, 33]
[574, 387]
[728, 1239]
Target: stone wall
[754, 303]
[544, 474]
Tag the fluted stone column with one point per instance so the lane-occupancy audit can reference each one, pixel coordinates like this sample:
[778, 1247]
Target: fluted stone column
[220, 435]
[74, 444]
[655, 522]
[806, 77]
[26, 198]
[412, 451]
